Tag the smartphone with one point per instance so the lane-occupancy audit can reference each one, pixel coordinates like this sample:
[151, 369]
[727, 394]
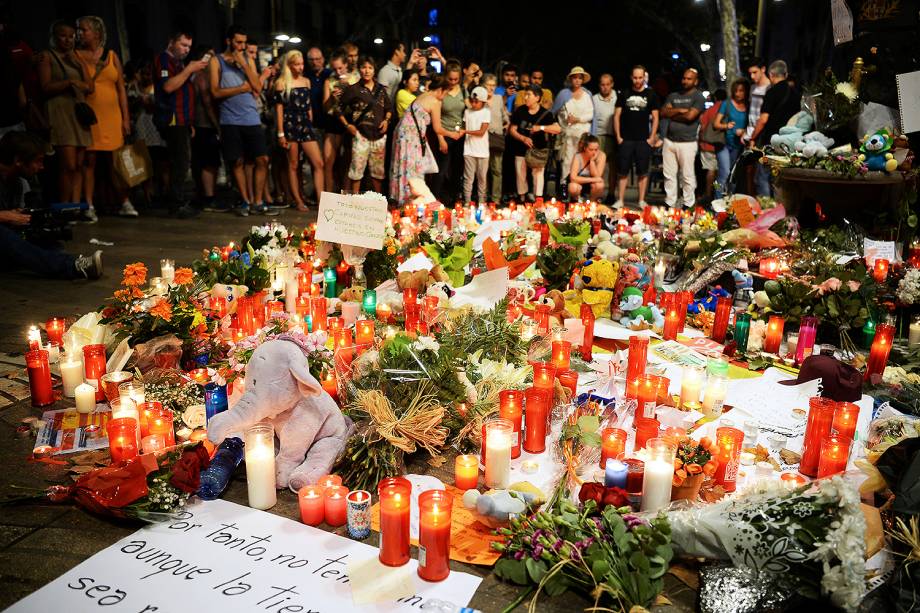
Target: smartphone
[206, 57]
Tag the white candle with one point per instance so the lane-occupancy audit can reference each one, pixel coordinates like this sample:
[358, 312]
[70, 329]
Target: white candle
[85, 397]
[54, 352]
[659, 473]
[714, 396]
[691, 383]
[498, 458]
[792, 343]
[72, 375]
[168, 270]
[291, 292]
[350, 312]
[260, 466]
[913, 336]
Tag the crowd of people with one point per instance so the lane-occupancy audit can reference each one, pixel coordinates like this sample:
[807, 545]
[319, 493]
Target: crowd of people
[285, 132]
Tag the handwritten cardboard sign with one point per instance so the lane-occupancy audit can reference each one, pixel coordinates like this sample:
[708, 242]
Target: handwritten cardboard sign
[874, 250]
[351, 220]
[743, 211]
[220, 556]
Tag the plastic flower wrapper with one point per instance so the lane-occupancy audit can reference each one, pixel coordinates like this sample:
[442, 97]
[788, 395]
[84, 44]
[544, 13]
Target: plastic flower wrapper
[574, 233]
[453, 253]
[809, 540]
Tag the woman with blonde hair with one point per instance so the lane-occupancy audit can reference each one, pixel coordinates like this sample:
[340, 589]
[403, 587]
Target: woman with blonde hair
[294, 118]
[109, 101]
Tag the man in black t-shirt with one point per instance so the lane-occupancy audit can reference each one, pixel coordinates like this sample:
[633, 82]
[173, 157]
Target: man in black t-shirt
[635, 123]
[780, 103]
[530, 124]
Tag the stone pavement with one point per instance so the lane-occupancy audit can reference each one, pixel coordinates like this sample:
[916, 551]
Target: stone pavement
[38, 540]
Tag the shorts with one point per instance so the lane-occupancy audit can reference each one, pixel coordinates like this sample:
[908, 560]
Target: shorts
[630, 152]
[708, 160]
[243, 142]
[205, 148]
[366, 152]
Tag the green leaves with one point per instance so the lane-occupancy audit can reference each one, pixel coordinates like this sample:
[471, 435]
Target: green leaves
[536, 569]
[511, 570]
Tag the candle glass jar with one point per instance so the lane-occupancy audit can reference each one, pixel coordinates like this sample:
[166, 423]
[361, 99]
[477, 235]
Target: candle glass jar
[569, 380]
[358, 514]
[691, 384]
[511, 407]
[834, 455]
[658, 475]
[774, 334]
[541, 316]
[881, 347]
[720, 320]
[819, 425]
[55, 329]
[613, 443]
[94, 367]
[587, 320]
[561, 356]
[646, 429]
[312, 505]
[260, 465]
[536, 408]
[435, 508]
[122, 433]
[133, 390]
[466, 472]
[845, 417]
[808, 331]
[729, 442]
[499, 436]
[111, 381]
[544, 376]
[369, 301]
[637, 358]
[39, 371]
[318, 313]
[395, 498]
[648, 396]
[635, 471]
[334, 505]
[742, 331]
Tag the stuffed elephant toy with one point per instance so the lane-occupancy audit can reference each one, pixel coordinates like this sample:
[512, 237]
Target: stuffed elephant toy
[311, 429]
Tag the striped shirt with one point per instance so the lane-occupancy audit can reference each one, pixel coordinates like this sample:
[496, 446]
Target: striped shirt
[177, 108]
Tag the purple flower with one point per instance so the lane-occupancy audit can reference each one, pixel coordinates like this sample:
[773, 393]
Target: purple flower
[518, 555]
[558, 544]
[632, 521]
[537, 552]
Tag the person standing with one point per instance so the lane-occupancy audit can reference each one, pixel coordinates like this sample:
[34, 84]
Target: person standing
[64, 82]
[682, 110]
[408, 91]
[635, 123]
[605, 102]
[234, 80]
[529, 126]
[472, 73]
[709, 150]
[446, 185]
[294, 122]
[109, 101]
[536, 78]
[476, 144]
[576, 115]
[206, 160]
[780, 103]
[174, 92]
[390, 75]
[760, 83]
[508, 87]
[731, 119]
[366, 113]
[335, 85]
[498, 128]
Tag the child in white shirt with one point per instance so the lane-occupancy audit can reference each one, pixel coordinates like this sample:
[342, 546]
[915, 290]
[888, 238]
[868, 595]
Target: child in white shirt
[476, 145]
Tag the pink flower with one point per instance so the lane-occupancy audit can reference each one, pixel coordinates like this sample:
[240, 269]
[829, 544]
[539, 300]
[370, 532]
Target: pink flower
[831, 285]
[853, 285]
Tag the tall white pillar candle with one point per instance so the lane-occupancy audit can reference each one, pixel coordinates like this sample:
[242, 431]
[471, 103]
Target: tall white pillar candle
[691, 382]
[659, 473]
[498, 453]
[86, 398]
[714, 396]
[260, 466]
[72, 376]
[350, 312]
[291, 292]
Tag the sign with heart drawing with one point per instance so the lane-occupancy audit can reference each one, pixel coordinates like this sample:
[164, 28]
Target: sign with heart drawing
[351, 220]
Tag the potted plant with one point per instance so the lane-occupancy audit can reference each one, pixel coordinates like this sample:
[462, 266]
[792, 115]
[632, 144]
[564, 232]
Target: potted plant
[694, 462]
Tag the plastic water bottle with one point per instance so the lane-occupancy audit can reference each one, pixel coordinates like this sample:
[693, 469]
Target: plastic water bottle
[444, 606]
[215, 478]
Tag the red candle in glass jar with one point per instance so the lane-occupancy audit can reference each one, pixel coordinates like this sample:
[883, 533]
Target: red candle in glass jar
[122, 433]
[511, 407]
[728, 453]
[720, 321]
[514, 312]
[304, 278]
[541, 316]
[318, 313]
[334, 505]
[646, 428]
[635, 474]
[55, 329]
[845, 417]
[145, 411]
[364, 332]
[162, 423]
[544, 235]
[395, 499]
[613, 443]
[834, 455]
[671, 323]
[536, 409]
[774, 336]
[94, 368]
[638, 356]
[648, 396]
[684, 298]
[820, 421]
[632, 389]
[881, 347]
[432, 304]
[544, 375]
[569, 379]
[411, 313]
[410, 296]
[466, 472]
[334, 324]
[39, 378]
[880, 270]
[562, 354]
[434, 508]
[272, 307]
[769, 268]
[312, 505]
[587, 320]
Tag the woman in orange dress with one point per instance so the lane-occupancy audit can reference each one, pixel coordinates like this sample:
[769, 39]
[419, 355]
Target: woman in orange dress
[110, 102]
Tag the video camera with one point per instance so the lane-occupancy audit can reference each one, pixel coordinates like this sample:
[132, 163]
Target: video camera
[52, 223]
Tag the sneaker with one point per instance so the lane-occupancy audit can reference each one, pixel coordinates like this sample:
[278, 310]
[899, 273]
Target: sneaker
[215, 206]
[89, 266]
[618, 204]
[643, 204]
[127, 209]
[277, 204]
[242, 210]
[186, 212]
[89, 215]
[261, 209]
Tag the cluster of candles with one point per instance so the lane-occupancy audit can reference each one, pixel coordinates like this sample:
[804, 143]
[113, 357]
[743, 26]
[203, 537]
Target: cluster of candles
[829, 435]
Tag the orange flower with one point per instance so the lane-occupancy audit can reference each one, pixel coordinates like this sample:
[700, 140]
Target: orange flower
[135, 274]
[183, 276]
[162, 309]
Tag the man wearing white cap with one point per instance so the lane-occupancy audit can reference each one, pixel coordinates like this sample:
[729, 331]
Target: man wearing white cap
[476, 146]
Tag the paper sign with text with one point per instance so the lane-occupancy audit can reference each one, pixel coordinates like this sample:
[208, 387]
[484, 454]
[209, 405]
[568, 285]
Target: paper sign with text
[351, 220]
[874, 250]
[220, 556]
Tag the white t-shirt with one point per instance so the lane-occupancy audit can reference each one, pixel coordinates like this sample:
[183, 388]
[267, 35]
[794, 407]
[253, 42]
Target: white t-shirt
[476, 146]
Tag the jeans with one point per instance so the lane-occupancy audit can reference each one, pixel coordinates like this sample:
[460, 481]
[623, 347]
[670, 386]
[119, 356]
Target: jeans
[17, 252]
[678, 156]
[520, 168]
[727, 156]
[762, 180]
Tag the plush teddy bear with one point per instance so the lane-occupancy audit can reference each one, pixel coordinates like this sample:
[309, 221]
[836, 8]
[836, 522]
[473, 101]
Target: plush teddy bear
[814, 144]
[597, 279]
[637, 316]
[421, 279]
[556, 301]
[605, 248]
[310, 426]
[875, 151]
[442, 290]
[230, 293]
[352, 294]
[794, 130]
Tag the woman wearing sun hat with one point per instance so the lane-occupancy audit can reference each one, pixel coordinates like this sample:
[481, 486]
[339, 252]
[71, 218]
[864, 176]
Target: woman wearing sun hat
[576, 115]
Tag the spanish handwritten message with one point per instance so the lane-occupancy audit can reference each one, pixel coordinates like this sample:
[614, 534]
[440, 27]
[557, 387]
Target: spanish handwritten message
[351, 220]
[220, 556]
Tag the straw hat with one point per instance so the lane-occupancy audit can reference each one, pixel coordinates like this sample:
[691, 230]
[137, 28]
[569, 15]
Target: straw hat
[581, 71]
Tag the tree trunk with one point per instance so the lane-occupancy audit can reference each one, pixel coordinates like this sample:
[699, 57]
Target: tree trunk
[730, 39]
[122, 29]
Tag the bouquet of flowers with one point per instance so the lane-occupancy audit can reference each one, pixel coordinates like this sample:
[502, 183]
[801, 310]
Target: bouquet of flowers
[571, 232]
[556, 263]
[453, 251]
[234, 367]
[693, 458]
[508, 254]
[270, 241]
[238, 268]
[380, 264]
[809, 540]
[175, 392]
[610, 556]
[908, 291]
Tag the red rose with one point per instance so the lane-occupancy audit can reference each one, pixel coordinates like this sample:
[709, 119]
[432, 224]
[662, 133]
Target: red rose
[614, 496]
[591, 491]
[186, 474]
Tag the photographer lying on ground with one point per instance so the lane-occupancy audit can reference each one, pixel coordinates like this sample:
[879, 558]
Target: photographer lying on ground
[21, 157]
